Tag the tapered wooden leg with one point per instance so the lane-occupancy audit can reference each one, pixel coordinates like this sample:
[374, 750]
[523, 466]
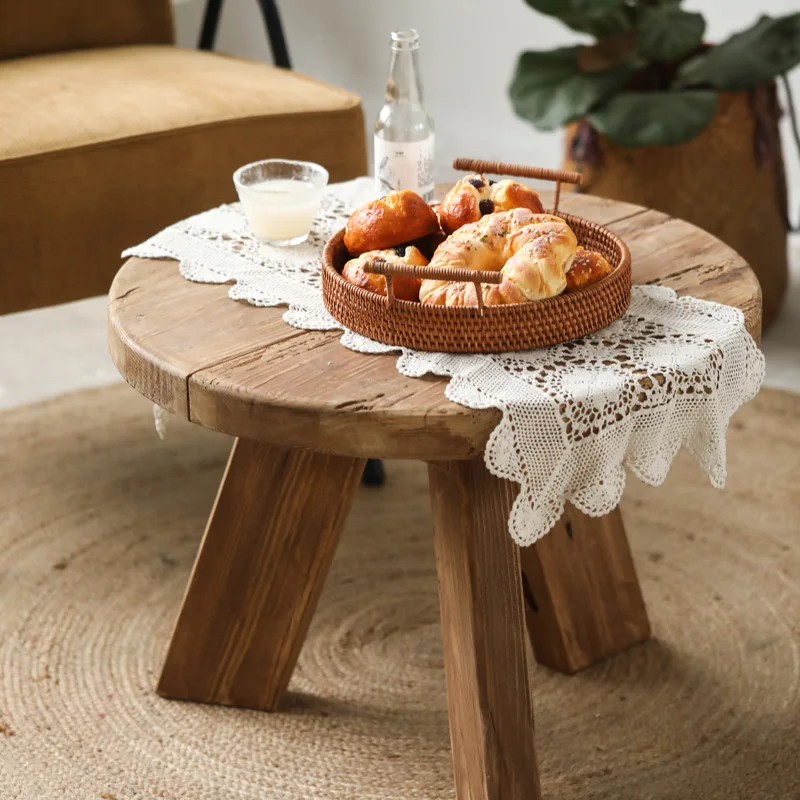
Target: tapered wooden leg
[483, 628]
[583, 602]
[261, 567]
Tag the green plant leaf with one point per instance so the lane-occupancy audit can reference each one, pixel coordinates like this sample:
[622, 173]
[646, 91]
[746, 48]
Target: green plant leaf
[642, 119]
[549, 90]
[598, 17]
[771, 47]
[666, 33]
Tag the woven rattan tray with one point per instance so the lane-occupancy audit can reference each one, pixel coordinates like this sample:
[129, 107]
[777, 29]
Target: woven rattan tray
[490, 329]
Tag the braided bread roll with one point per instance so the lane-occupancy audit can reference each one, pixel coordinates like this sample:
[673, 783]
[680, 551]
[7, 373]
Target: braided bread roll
[533, 251]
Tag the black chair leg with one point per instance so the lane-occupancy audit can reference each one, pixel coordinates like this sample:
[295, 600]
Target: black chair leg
[277, 41]
[208, 33]
[272, 21]
[374, 473]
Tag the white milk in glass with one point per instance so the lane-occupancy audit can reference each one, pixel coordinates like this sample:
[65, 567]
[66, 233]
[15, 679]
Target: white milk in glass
[281, 210]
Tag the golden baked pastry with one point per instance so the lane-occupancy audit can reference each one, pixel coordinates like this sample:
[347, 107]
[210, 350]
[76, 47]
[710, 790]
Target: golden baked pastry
[474, 196]
[533, 251]
[398, 218]
[587, 268]
[404, 288]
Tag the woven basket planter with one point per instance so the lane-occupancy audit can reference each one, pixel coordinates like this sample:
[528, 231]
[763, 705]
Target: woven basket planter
[729, 181]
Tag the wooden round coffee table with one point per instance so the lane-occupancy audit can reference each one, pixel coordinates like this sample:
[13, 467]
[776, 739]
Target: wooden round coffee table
[307, 413]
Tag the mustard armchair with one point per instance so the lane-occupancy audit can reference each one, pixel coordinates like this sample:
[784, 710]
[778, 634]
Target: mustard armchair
[108, 132]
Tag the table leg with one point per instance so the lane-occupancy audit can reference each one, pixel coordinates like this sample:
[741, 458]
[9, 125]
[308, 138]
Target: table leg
[582, 597]
[483, 629]
[262, 563]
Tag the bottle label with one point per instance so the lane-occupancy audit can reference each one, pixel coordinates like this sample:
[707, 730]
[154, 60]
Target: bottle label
[404, 165]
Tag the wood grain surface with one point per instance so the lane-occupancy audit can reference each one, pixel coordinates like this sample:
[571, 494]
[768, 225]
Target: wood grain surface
[257, 578]
[485, 657]
[583, 602]
[240, 369]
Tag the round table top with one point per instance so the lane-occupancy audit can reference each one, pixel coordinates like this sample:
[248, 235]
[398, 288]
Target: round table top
[237, 368]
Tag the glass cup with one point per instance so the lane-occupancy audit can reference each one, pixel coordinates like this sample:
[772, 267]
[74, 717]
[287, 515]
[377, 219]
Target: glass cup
[280, 198]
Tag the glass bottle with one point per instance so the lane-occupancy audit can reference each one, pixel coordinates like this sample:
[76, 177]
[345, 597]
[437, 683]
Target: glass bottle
[404, 133]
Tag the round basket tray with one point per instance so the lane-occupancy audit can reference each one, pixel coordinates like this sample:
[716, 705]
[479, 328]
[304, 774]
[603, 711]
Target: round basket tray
[494, 329]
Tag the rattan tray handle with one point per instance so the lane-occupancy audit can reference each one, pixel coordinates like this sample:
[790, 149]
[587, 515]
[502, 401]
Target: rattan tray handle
[519, 171]
[475, 276]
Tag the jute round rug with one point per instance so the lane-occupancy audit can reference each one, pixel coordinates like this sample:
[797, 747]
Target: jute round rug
[99, 524]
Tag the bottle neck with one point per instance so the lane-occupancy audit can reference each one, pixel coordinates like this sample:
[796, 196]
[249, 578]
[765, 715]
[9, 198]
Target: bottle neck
[404, 85]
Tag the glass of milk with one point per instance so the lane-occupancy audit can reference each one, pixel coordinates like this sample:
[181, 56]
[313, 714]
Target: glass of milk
[280, 198]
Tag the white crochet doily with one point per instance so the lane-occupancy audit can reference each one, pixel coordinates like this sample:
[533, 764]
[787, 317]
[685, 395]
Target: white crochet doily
[670, 372]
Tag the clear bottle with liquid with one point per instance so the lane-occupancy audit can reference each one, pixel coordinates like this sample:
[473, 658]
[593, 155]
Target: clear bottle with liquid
[404, 132]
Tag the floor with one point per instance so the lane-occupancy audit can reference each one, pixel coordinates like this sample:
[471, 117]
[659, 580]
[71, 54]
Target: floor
[50, 351]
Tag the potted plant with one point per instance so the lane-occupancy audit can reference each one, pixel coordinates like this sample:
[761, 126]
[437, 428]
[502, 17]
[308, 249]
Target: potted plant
[657, 116]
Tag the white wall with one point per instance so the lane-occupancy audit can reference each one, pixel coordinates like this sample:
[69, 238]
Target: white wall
[468, 51]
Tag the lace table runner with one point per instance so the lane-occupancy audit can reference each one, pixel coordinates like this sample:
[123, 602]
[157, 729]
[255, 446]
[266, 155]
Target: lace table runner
[670, 372]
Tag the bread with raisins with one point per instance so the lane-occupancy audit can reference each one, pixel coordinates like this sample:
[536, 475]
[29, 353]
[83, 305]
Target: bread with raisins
[475, 196]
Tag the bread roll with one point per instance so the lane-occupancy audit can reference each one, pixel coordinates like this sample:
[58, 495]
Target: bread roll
[533, 251]
[588, 267]
[404, 288]
[396, 219]
[475, 196]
